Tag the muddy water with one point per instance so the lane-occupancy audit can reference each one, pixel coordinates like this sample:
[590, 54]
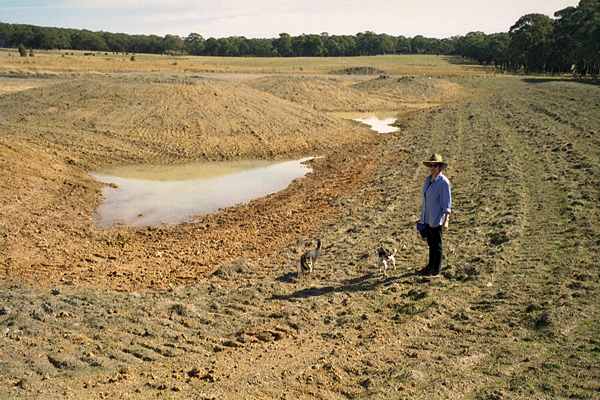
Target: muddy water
[153, 195]
[381, 122]
[379, 125]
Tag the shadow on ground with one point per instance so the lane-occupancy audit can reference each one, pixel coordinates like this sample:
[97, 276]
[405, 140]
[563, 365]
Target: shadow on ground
[289, 277]
[588, 81]
[363, 283]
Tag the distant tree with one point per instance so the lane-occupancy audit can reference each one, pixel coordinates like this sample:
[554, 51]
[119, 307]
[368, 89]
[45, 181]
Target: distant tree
[22, 34]
[589, 36]
[145, 44]
[403, 45]
[117, 42]
[497, 49]
[244, 47]
[348, 45]
[211, 47]
[313, 46]
[531, 42]
[5, 35]
[172, 44]
[333, 46]
[86, 40]
[419, 44]
[194, 44]
[261, 47]
[366, 43]
[229, 46]
[446, 46]
[51, 38]
[283, 45]
[475, 46]
[577, 38]
[384, 44]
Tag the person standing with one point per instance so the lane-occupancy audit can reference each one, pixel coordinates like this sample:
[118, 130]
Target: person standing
[435, 211]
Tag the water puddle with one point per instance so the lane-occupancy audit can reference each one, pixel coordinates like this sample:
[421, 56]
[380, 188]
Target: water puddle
[153, 195]
[380, 122]
[379, 125]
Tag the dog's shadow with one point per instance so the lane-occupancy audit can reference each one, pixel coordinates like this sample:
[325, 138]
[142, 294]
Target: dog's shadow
[290, 277]
[363, 283]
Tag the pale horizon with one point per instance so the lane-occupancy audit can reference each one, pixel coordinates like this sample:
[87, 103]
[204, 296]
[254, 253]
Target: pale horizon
[267, 18]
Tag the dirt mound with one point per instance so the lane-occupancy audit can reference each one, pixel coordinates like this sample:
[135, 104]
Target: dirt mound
[99, 121]
[326, 94]
[410, 88]
[359, 71]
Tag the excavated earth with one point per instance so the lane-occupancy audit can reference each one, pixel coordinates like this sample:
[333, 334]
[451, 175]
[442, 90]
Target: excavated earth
[407, 89]
[382, 93]
[121, 120]
[325, 94]
[213, 309]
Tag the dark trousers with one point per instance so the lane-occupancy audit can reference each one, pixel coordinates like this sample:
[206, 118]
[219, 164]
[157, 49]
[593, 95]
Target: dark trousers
[434, 240]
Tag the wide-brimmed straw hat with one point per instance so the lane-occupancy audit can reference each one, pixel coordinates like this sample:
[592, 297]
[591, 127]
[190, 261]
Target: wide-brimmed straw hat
[435, 159]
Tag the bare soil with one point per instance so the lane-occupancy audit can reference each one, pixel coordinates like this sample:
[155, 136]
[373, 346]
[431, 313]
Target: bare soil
[410, 89]
[131, 121]
[375, 94]
[325, 94]
[214, 309]
[10, 85]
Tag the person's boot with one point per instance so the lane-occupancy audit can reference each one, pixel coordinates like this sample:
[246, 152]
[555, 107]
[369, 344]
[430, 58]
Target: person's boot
[424, 271]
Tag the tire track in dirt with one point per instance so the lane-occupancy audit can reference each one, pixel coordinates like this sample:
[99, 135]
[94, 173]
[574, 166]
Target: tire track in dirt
[536, 251]
[578, 161]
[459, 143]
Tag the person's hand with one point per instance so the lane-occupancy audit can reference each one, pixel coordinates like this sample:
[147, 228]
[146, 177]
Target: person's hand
[446, 221]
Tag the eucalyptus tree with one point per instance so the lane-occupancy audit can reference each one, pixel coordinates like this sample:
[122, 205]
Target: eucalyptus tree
[172, 44]
[531, 42]
[283, 45]
[88, 40]
[194, 44]
[403, 45]
[497, 49]
[577, 37]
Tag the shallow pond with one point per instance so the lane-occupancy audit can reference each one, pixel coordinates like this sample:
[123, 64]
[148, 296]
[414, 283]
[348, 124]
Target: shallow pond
[153, 195]
[379, 125]
[380, 122]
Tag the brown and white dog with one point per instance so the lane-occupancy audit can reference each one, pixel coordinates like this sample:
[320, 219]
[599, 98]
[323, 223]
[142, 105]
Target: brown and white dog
[309, 259]
[387, 258]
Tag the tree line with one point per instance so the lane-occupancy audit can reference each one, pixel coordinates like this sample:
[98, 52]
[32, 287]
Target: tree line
[312, 45]
[569, 42]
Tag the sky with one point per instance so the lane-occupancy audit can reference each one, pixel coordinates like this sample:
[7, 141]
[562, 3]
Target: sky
[268, 18]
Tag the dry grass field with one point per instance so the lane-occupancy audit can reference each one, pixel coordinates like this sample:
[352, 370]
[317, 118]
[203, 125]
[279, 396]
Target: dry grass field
[212, 309]
[76, 63]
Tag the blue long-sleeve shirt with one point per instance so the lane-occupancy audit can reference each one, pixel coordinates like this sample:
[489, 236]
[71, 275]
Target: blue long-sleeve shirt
[437, 200]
